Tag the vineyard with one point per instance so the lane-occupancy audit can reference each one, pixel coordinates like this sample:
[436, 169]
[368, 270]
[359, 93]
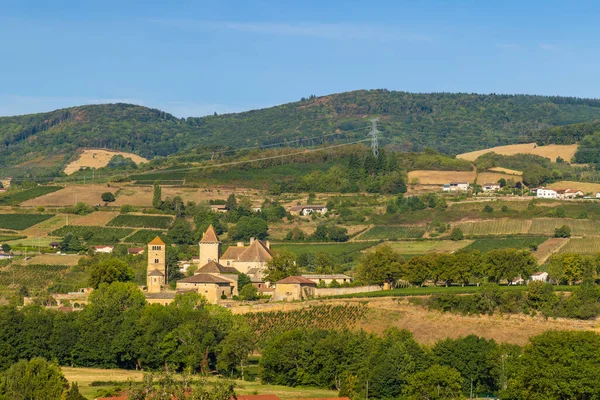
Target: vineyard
[21, 221]
[141, 221]
[337, 249]
[582, 246]
[6, 238]
[24, 195]
[94, 234]
[143, 236]
[268, 324]
[579, 227]
[33, 277]
[524, 242]
[494, 227]
[393, 232]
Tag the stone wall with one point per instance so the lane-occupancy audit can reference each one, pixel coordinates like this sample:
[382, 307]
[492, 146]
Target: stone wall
[322, 292]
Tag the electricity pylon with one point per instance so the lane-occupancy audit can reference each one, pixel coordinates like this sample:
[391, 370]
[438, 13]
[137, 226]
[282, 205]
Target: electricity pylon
[373, 133]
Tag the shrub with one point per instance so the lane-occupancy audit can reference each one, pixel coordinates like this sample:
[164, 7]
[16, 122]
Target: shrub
[562, 232]
[457, 234]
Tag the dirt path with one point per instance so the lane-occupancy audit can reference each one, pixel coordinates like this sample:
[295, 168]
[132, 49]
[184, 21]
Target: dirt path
[549, 247]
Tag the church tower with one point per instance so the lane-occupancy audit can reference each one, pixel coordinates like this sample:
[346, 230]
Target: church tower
[210, 246]
[157, 266]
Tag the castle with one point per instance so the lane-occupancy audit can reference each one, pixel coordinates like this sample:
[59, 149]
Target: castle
[217, 278]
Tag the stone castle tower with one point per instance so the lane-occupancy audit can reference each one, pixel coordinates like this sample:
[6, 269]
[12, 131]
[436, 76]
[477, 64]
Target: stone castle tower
[157, 267]
[210, 246]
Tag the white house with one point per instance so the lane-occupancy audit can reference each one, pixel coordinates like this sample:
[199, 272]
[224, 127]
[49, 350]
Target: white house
[490, 187]
[456, 186]
[539, 276]
[308, 209]
[104, 249]
[598, 195]
[543, 193]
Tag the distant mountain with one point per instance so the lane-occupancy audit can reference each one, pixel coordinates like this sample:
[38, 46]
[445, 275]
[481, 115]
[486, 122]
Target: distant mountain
[450, 123]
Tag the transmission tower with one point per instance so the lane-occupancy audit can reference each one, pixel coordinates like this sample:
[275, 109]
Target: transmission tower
[373, 133]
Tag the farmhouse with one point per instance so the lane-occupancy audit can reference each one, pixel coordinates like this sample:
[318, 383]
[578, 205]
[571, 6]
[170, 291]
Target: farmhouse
[103, 249]
[221, 208]
[328, 278]
[539, 277]
[456, 186]
[490, 187]
[135, 251]
[294, 288]
[6, 182]
[543, 193]
[54, 245]
[308, 209]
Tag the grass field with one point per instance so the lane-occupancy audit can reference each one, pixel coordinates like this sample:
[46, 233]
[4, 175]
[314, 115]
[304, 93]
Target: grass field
[393, 232]
[35, 242]
[487, 244]
[334, 249]
[94, 234]
[579, 227]
[141, 221]
[494, 227]
[506, 171]
[28, 194]
[71, 195]
[98, 158]
[491, 176]
[8, 238]
[142, 236]
[414, 247]
[582, 246]
[20, 222]
[551, 151]
[428, 177]
[97, 218]
[53, 259]
[585, 187]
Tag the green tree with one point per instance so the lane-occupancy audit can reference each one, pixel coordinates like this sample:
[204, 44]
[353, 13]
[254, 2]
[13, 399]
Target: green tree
[6, 247]
[249, 293]
[243, 280]
[282, 265]
[35, 379]
[236, 348]
[457, 234]
[380, 266]
[107, 197]
[109, 271]
[157, 196]
[73, 393]
[249, 227]
[181, 232]
[435, 383]
[562, 232]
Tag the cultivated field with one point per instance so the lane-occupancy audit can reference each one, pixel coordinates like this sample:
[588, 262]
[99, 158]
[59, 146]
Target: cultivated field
[35, 277]
[582, 246]
[394, 232]
[335, 249]
[20, 222]
[505, 171]
[141, 196]
[53, 259]
[492, 177]
[98, 158]
[24, 195]
[494, 227]
[427, 177]
[551, 151]
[585, 187]
[141, 221]
[94, 234]
[142, 236]
[47, 226]
[522, 242]
[97, 218]
[550, 247]
[70, 195]
[428, 246]
[579, 227]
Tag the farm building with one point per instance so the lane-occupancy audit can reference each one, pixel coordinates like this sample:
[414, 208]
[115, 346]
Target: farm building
[328, 278]
[308, 210]
[539, 277]
[490, 187]
[294, 288]
[456, 186]
[103, 249]
[543, 193]
[135, 251]
[213, 287]
[219, 208]
[54, 245]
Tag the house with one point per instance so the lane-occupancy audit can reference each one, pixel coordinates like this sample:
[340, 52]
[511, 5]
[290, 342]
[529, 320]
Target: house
[216, 269]
[490, 187]
[213, 287]
[598, 195]
[219, 208]
[308, 210]
[328, 278]
[54, 245]
[539, 277]
[446, 187]
[458, 186]
[136, 251]
[6, 182]
[244, 258]
[543, 193]
[293, 288]
[572, 193]
[103, 249]
[5, 256]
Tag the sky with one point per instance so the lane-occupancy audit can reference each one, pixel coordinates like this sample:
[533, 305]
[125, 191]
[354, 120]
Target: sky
[193, 58]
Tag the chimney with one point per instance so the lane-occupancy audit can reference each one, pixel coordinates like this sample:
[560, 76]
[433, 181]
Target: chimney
[240, 244]
[251, 240]
[268, 245]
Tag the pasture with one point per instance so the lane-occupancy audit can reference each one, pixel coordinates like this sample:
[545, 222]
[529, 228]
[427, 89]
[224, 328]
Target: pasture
[505, 171]
[93, 158]
[494, 227]
[47, 226]
[141, 221]
[491, 176]
[97, 218]
[23, 195]
[394, 232]
[551, 151]
[486, 244]
[20, 222]
[579, 227]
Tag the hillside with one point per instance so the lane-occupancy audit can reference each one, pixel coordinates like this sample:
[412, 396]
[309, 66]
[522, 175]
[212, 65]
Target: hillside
[451, 123]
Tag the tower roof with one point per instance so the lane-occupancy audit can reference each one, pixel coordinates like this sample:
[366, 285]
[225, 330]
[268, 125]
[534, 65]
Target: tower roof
[156, 273]
[157, 241]
[210, 236]
[215, 268]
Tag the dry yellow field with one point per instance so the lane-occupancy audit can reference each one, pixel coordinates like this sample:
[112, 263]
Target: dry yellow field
[98, 158]
[485, 177]
[97, 218]
[44, 227]
[141, 196]
[53, 259]
[585, 187]
[551, 151]
[506, 171]
[70, 195]
[426, 177]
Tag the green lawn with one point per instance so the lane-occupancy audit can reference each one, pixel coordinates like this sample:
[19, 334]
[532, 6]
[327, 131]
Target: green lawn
[486, 244]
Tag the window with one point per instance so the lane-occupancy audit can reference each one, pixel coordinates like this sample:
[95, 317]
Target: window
[157, 248]
[156, 261]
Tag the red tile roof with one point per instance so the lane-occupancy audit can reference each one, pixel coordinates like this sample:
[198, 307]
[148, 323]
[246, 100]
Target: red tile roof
[296, 280]
[210, 236]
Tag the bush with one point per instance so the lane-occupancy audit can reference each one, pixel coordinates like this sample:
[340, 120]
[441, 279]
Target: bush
[249, 293]
[488, 209]
[457, 234]
[107, 197]
[562, 232]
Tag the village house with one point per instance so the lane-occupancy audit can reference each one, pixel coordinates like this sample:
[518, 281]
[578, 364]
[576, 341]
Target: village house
[306, 210]
[456, 186]
[103, 249]
[539, 277]
[327, 279]
[213, 287]
[543, 193]
[6, 182]
[136, 251]
[293, 288]
[219, 208]
[54, 245]
[490, 187]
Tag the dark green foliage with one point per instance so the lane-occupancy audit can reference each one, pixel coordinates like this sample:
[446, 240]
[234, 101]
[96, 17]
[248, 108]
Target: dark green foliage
[181, 232]
[157, 196]
[330, 233]
[143, 236]
[249, 293]
[562, 232]
[486, 244]
[567, 134]
[457, 234]
[18, 197]
[94, 234]
[108, 197]
[249, 227]
[35, 379]
[21, 221]
[141, 221]
[109, 271]
[394, 232]
[435, 383]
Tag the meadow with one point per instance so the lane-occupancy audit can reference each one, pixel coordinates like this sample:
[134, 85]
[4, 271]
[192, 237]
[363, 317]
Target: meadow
[394, 232]
[20, 222]
[141, 221]
[551, 151]
[95, 158]
[94, 234]
[521, 242]
[18, 197]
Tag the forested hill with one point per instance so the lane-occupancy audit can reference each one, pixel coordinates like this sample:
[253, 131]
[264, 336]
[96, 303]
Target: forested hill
[451, 123]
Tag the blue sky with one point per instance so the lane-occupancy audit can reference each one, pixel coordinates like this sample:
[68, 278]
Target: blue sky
[193, 58]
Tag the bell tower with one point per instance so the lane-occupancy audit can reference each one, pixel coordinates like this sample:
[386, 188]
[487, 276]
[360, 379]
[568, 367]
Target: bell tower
[157, 267]
[210, 246]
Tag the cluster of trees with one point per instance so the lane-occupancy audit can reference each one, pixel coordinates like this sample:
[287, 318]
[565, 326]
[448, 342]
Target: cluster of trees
[323, 233]
[394, 365]
[582, 303]
[412, 203]
[117, 329]
[384, 265]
